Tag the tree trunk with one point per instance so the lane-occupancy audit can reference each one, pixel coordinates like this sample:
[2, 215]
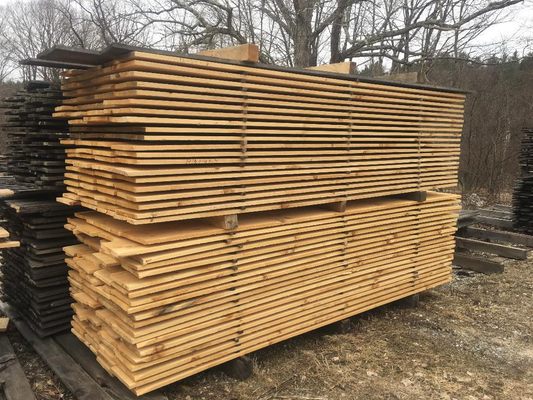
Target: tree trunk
[336, 29]
[302, 35]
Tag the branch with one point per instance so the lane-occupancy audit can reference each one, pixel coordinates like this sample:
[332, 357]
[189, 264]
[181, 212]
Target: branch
[437, 24]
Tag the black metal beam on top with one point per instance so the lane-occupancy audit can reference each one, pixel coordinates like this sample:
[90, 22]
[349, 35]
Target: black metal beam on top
[76, 58]
[55, 64]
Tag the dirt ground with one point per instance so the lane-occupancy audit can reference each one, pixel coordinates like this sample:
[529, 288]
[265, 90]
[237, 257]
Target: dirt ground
[471, 339]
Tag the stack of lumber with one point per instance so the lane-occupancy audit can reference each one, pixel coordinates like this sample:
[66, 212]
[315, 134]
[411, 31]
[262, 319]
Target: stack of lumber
[35, 156]
[523, 193]
[235, 205]
[35, 274]
[5, 178]
[162, 302]
[5, 243]
[158, 138]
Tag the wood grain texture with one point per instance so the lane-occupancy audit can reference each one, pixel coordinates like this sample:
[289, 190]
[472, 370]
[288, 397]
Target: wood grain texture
[65, 368]
[245, 52]
[161, 302]
[205, 139]
[345, 67]
[523, 188]
[4, 322]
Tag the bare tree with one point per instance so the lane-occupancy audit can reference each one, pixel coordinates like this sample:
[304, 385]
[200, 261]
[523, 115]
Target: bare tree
[33, 27]
[83, 32]
[413, 30]
[287, 31]
[7, 66]
[400, 33]
[302, 32]
[106, 22]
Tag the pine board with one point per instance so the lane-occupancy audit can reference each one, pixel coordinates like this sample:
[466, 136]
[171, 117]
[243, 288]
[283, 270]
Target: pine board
[209, 130]
[213, 294]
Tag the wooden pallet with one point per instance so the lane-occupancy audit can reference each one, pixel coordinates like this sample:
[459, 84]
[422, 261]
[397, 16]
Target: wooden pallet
[491, 241]
[160, 138]
[73, 364]
[159, 303]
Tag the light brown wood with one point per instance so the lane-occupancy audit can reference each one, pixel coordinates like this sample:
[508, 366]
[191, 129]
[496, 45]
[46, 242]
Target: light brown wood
[231, 139]
[4, 322]
[245, 52]
[225, 221]
[339, 206]
[5, 243]
[232, 206]
[345, 67]
[216, 292]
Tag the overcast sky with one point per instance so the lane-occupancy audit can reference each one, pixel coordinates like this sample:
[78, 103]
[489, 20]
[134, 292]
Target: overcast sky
[516, 32]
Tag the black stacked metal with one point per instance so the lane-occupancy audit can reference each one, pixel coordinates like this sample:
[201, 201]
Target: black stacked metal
[36, 157]
[3, 166]
[5, 180]
[35, 274]
[523, 191]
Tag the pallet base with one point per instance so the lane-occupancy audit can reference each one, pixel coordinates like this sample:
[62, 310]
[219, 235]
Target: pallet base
[13, 382]
[477, 264]
[75, 365]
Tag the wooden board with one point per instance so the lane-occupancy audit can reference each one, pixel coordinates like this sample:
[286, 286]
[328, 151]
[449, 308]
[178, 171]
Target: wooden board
[496, 222]
[4, 322]
[232, 139]
[499, 236]
[159, 303]
[494, 248]
[478, 264]
[245, 52]
[345, 67]
[5, 243]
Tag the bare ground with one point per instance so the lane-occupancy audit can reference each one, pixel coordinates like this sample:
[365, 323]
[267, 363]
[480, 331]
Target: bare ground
[471, 339]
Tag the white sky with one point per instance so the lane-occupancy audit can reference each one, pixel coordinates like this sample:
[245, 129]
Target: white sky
[515, 32]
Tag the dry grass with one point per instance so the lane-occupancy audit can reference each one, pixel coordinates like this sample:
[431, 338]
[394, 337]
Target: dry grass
[468, 340]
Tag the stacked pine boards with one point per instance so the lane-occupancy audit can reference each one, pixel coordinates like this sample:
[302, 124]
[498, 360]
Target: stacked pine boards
[35, 274]
[160, 138]
[233, 205]
[523, 193]
[162, 302]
